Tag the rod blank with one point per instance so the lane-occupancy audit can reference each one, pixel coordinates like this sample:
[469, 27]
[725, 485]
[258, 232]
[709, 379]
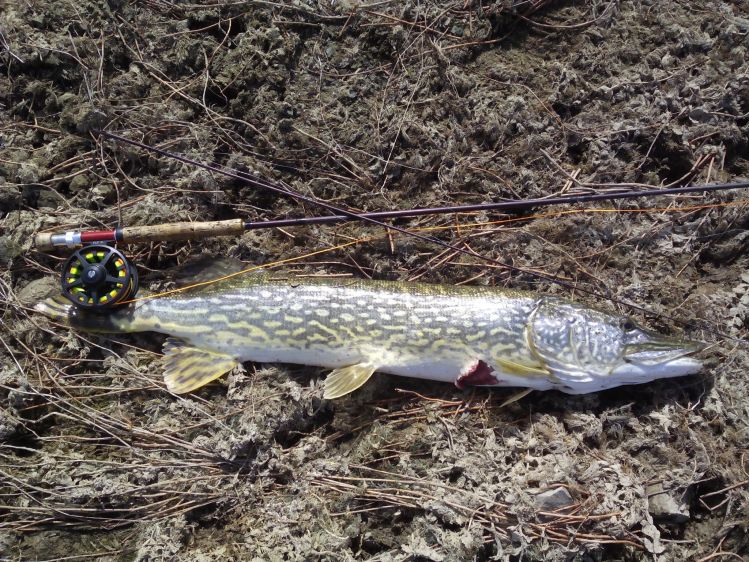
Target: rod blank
[234, 227]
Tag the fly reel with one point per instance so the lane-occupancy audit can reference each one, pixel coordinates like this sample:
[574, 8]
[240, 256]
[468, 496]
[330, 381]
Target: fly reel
[98, 277]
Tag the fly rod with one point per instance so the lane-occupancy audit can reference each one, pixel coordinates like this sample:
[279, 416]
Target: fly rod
[234, 227]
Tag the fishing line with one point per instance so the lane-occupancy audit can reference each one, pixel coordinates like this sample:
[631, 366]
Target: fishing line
[346, 213]
[365, 218]
[593, 210]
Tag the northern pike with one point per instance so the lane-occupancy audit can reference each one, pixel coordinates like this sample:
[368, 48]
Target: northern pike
[469, 336]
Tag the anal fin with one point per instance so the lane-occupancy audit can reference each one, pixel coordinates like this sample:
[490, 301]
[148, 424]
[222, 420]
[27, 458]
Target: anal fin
[188, 368]
[345, 380]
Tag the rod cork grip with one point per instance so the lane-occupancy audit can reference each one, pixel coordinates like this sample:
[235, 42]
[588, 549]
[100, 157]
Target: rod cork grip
[43, 242]
[182, 231]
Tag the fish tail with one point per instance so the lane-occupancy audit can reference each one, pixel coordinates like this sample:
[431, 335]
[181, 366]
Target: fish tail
[56, 308]
[60, 309]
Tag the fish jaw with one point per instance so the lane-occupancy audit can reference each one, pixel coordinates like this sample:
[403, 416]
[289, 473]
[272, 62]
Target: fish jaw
[648, 356]
[631, 373]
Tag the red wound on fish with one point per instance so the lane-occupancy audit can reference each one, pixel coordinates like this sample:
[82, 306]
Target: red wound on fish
[478, 374]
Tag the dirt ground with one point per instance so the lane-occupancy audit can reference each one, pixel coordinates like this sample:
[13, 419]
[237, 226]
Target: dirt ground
[376, 106]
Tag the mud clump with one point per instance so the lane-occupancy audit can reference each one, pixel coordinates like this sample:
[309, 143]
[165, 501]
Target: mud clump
[370, 108]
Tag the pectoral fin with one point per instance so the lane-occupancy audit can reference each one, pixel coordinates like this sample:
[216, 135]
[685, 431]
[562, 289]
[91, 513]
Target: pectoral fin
[341, 382]
[188, 368]
[521, 370]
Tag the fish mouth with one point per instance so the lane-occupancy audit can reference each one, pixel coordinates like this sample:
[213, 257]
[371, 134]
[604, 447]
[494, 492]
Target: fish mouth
[657, 358]
[661, 351]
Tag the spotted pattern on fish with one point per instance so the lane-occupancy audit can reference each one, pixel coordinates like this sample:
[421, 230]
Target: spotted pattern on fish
[412, 319]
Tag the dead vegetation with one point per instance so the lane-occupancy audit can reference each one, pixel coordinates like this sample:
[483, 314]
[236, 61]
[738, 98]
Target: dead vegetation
[390, 105]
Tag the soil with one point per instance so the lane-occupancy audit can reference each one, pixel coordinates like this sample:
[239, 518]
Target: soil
[371, 107]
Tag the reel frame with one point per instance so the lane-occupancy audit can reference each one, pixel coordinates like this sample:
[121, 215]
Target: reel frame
[98, 277]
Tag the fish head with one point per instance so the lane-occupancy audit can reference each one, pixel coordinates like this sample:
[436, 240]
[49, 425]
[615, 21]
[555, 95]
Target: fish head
[587, 350]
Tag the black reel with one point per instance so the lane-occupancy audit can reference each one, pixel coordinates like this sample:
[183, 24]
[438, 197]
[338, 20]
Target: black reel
[98, 277]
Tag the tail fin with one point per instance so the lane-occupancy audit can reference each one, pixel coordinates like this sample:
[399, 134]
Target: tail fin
[60, 309]
[56, 308]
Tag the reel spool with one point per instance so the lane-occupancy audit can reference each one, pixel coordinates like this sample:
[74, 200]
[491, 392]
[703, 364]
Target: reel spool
[98, 277]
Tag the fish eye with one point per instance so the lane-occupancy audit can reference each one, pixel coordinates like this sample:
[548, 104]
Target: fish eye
[629, 325]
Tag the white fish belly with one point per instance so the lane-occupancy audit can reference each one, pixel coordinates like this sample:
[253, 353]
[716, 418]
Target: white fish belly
[445, 370]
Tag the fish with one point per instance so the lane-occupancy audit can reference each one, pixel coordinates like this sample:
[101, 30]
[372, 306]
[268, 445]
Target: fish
[466, 335]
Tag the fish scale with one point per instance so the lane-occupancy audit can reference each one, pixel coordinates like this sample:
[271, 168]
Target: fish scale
[402, 319]
[480, 336]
